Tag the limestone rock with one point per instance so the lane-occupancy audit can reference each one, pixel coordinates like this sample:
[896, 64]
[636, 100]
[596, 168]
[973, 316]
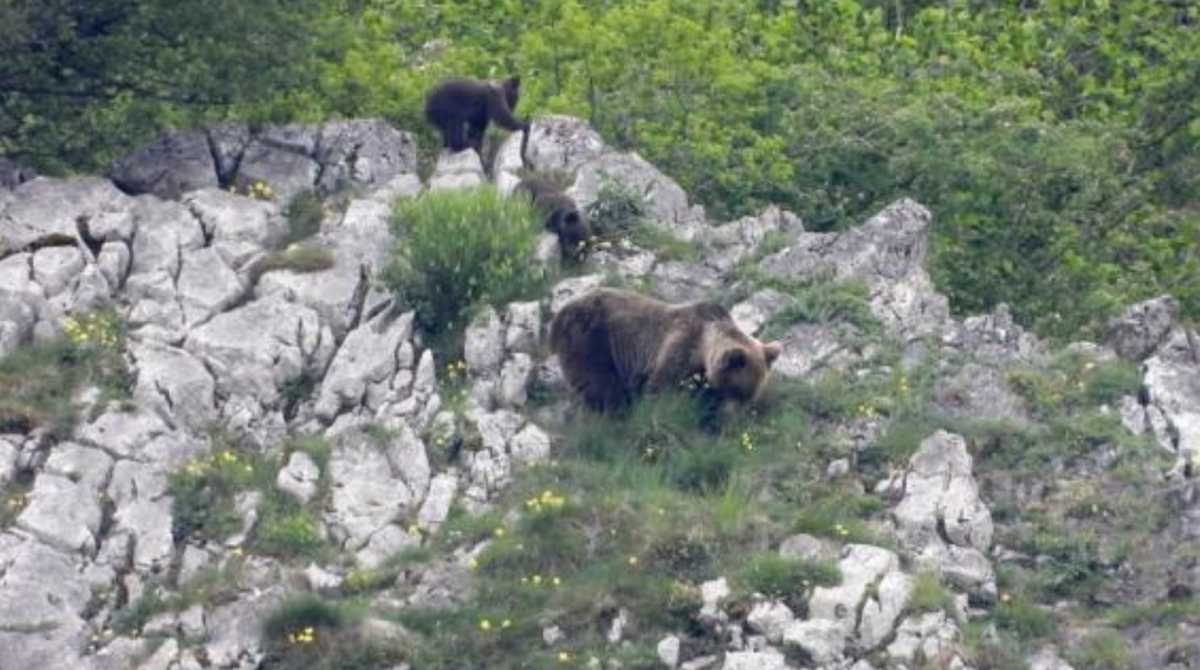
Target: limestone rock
[455, 171]
[524, 327]
[483, 346]
[1142, 327]
[822, 640]
[568, 290]
[556, 142]
[754, 660]
[770, 618]
[994, 339]
[255, 348]
[42, 597]
[286, 168]
[668, 651]
[174, 383]
[362, 152]
[926, 636]
[238, 227]
[666, 203]
[869, 600]
[173, 164]
[369, 359]
[62, 513]
[299, 477]
[942, 519]
[888, 252]
[436, 507]
[512, 390]
[51, 212]
[372, 484]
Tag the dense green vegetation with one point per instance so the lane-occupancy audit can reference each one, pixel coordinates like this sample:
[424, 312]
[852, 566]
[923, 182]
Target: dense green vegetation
[460, 250]
[1056, 142]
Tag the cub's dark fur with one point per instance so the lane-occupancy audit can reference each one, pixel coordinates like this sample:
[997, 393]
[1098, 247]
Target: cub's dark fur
[562, 216]
[613, 345]
[462, 108]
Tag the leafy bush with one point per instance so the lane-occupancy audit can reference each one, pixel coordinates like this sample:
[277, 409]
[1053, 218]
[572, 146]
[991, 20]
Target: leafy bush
[460, 249]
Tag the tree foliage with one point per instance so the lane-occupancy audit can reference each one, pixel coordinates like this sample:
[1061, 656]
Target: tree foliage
[1055, 141]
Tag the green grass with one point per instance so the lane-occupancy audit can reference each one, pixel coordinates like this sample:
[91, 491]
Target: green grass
[663, 243]
[462, 249]
[1102, 650]
[1157, 614]
[39, 383]
[303, 214]
[307, 632]
[788, 579]
[316, 446]
[1027, 621]
[298, 258]
[929, 594]
[286, 529]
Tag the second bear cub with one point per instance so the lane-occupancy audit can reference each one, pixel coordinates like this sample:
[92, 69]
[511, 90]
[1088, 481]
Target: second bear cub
[563, 218]
[614, 344]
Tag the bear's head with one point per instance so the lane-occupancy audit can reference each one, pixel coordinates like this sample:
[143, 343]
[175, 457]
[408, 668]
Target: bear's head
[736, 366]
[572, 228]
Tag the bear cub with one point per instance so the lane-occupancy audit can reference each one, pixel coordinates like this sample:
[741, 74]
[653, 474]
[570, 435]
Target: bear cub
[563, 218]
[613, 345]
[462, 108]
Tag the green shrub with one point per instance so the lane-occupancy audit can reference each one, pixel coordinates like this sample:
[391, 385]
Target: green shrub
[460, 249]
[303, 214]
[663, 243]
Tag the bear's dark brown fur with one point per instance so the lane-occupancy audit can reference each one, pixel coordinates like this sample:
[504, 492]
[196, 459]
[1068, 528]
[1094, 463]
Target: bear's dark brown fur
[562, 216]
[613, 345]
[462, 108]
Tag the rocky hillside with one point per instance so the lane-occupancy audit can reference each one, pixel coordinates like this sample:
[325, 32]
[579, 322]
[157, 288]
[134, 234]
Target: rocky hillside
[216, 456]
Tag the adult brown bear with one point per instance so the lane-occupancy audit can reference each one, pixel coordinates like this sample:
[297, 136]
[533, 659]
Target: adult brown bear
[613, 345]
[563, 218]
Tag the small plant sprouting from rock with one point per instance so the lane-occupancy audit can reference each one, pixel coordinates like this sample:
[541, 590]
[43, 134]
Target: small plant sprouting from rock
[203, 492]
[929, 594]
[38, 383]
[304, 214]
[617, 210]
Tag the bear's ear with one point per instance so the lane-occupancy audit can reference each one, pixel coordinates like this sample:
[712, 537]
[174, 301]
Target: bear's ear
[733, 359]
[515, 81]
[771, 351]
